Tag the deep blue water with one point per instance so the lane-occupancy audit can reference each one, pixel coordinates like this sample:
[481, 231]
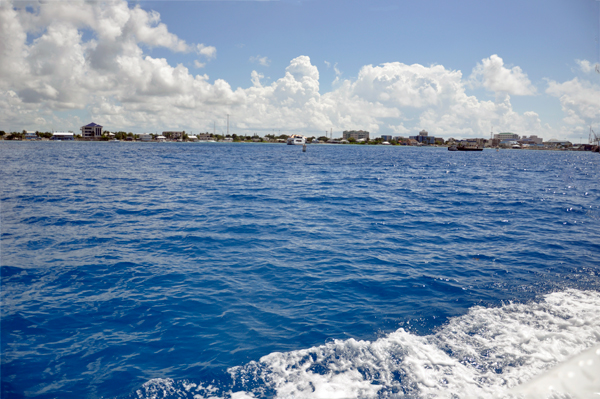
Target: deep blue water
[144, 270]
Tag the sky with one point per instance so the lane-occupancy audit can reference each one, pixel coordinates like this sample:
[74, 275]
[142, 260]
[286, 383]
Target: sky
[457, 69]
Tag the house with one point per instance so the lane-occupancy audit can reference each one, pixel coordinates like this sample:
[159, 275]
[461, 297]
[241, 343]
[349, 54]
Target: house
[91, 131]
[29, 135]
[145, 137]
[62, 136]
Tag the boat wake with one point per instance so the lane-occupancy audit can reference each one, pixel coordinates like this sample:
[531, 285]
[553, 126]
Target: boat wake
[486, 353]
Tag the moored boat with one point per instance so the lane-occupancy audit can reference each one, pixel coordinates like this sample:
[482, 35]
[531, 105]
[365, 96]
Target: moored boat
[296, 139]
[469, 148]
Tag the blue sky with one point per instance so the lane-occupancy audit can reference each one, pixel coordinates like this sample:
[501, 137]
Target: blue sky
[453, 68]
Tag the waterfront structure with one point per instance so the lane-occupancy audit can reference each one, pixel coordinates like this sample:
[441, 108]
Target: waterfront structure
[423, 138]
[91, 131]
[145, 137]
[530, 140]
[386, 137]
[205, 137]
[62, 136]
[355, 134]
[173, 135]
[506, 136]
[558, 143]
[29, 135]
[192, 138]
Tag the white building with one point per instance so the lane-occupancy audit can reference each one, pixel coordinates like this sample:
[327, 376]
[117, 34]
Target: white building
[506, 136]
[355, 134]
[62, 136]
[29, 135]
[91, 131]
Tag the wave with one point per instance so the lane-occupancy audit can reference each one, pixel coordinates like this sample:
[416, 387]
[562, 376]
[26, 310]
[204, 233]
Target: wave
[485, 353]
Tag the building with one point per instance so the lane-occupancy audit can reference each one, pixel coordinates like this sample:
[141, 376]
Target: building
[558, 143]
[385, 137]
[92, 131]
[62, 136]
[506, 136]
[204, 137]
[173, 135]
[145, 137]
[192, 138]
[29, 135]
[355, 134]
[531, 140]
[423, 137]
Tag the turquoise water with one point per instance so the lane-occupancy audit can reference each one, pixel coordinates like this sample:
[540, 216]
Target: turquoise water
[149, 270]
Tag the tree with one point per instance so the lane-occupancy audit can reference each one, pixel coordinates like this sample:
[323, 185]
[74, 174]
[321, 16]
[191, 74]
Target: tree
[2, 133]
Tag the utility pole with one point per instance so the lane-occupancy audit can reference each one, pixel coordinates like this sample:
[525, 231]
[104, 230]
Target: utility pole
[228, 124]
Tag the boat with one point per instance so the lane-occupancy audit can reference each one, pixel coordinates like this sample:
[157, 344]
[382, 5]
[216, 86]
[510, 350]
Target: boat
[469, 146]
[296, 139]
[452, 148]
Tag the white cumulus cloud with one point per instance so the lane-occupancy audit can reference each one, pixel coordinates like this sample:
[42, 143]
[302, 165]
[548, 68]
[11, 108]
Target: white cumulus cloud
[208, 51]
[493, 75]
[580, 100]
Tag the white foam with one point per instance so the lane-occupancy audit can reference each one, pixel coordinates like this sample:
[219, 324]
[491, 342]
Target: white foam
[483, 354]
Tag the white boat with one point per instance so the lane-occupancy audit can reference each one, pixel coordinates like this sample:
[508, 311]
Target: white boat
[296, 139]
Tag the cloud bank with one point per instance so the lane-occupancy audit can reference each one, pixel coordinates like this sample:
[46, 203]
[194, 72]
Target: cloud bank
[90, 57]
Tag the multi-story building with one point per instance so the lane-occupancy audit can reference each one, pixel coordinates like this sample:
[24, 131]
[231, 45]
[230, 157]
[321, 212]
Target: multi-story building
[506, 136]
[385, 137]
[423, 137]
[355, 134]
[92, 131]
[173, 135]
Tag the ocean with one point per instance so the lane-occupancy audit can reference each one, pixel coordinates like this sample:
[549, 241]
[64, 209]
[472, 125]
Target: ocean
[226, 270]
